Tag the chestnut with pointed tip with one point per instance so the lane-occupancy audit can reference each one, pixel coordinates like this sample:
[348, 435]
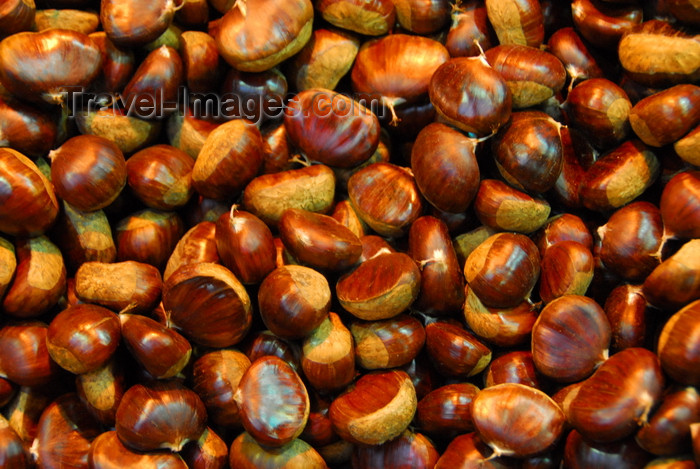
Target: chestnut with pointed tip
[129, 24]
[678, 343]
[160, 415]
[273, 402]
[570, 338]
[388, 343]
[198, 244]
[504, 208]
[680, 205]
[517, 21]
[447, 410]
[108, 452]
[374, 18]
[328, 355]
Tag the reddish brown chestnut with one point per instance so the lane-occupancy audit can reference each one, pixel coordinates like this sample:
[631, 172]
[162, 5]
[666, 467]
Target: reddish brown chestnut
[447, 410]
[454, 351]
[328, 355]
[517, 420]
[108, 452]
[570, 338]
[273, 402]
[160, 415]
[387, 343]
[678, 345]
[680, 205]
[82, 338]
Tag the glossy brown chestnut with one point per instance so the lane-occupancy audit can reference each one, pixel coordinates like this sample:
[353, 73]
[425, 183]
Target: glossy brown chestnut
[675, 282]
[39, 281]
[627, 311]
[409, 446]
[256, 35]
[445, 167]
[454, 351]
[567, 269]
[161, 351]
[161, 176]
[29, 205]
[215, 378]
[198, 244]
[328, 355]
[148, 236]
[266, 343]
[567, 46]
[229, 159]
[25, 359]
[255, 96]
[680, 205]
[619, 176]
[247, 453]
[668, 430]
[570, 338]
[517, 21]
[83, 337]
[16, 16]
[129, 24]
[617, 399]
[600, 109]
[505, 327]
[311, 188]
[245, 245]
[532, 75]
[603, 24]
[678, 342]
[422, 16]
[469, 450]
[563, 227]
[380, 287]
[513, 367]
[27, 129]
[318, 240]
[528, 151]
[666, 116]
[377, 409]
[200, 60]
[517, 420]
[332, 128]
[447, 410]
[118, 64]
[208, 304]
[208, 452]
[65, 433]
[470, 30]
[580, 453]
[12, 452]
[88, 172]
[160, 415]
[470, 95]
[293, 300]
[503, 270]
[8, 265]
[108, 452]
[386, 197]
[61, 60]
[504, 208]
[129, 133]
[270, 383]
[396, 69]
[387, 343]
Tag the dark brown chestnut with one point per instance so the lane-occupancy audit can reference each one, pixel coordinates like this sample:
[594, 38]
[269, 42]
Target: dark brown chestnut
[387, 343]
[328, 355]
[678, 343]
[447, 410]
[454, 351]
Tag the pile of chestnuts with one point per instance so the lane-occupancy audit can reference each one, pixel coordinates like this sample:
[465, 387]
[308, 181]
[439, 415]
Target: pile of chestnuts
[349, 234]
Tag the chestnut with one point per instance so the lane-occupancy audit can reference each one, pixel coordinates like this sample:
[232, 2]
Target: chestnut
[117, 63]
[83, 337]
[245, 245]
[421, 16]
[517, 420]
[269, 195]
[563, 227]
[504, 208]
[470, 95]
[256, 35]
[470, 30]
[130, 133]
[148, 236]
[127, 25]
[12, 452]
[26, 128]
[119, 285]
[159, 415]
[61, 60]
[567, 269]
[29, 205]
[387, 343]
[378, 408]
[513, 367]
[409, 446]
[454, 351]
[293, 300]
[198, 244]
[108, 452]
[272, 402]
[229, 159]
[318, 240]
[256, 96]
[447, 410]
[386, 197]
[368, 18]
[675, 282]
[208, 452]
[16, 16]
[567, 45]
[380, 287]
[88, 172]
[200, 60]
[328, 355]
[208, 304]
[445, 167]
[503, 270]
[266, 343]
[628, 312]
[468, 450]
[617, 399]
[246, 453]
[680, 205]
[331, 128]
[678, 343]
[102, 390]
[519, 22]
[162, 351]
[602, 23]
[581, 453]
[570, 338]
